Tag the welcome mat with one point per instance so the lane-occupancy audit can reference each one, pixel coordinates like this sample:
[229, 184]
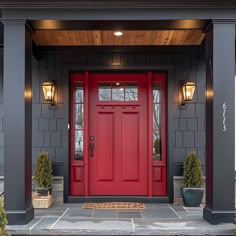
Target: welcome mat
[113, 205]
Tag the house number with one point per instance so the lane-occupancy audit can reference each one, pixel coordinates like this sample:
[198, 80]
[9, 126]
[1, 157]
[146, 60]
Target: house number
[224, 116]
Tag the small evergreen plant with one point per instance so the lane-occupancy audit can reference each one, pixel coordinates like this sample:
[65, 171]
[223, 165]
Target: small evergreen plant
[192, 171]
[43, 171]
[3, 219]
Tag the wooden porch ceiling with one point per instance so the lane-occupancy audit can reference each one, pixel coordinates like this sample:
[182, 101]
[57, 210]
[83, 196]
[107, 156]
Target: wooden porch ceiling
[107, 38]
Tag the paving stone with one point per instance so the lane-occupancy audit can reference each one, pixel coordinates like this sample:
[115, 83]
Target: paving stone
[128, 211]
[159, 213]
[48, 213]
[44, 225]
[22, 229]
[158, 219]
[97, 226]
[178, 208]
[105, 214]
[129, 216]
[198, 210]
[187, 216]
[156, 206]
[67, 205]
[180, 227]
[75, 213]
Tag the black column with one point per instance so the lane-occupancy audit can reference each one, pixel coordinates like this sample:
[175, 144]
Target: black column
[17, 122]
[220, 54]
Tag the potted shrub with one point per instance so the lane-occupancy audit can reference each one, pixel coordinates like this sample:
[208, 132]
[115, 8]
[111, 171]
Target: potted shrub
[43, 174]
[3, 219]
[192, 191]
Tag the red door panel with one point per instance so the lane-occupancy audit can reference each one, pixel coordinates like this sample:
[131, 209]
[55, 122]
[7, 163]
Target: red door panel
[130, 145]
[105, 146]
[120, 164]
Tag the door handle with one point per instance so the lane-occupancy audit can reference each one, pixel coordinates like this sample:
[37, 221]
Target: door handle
[91, 149]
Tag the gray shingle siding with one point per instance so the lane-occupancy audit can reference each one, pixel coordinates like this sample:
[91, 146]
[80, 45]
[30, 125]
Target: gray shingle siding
[50, 124]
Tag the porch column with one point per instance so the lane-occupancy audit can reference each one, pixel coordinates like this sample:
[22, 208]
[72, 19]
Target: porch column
[17, 121]
[220, 121]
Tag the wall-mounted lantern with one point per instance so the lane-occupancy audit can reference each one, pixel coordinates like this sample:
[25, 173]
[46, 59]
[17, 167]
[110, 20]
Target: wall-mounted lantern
[187, 92]
[49, 92]
[188, 89]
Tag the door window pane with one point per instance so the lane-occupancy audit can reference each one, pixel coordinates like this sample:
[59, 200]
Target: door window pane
[79, 116]
[131, 92]
[157, 92]
[79, 145]
[78, 121]
[104, 92]
[157, 155]
[156, 116]
[117, 91]
[79, 93]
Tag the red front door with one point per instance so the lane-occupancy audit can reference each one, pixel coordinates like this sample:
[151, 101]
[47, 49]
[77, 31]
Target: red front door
[118, 134]
[118, 163]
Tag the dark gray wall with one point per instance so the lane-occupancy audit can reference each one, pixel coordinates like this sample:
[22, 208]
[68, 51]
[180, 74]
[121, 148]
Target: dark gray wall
[186, 127]
[189, 124]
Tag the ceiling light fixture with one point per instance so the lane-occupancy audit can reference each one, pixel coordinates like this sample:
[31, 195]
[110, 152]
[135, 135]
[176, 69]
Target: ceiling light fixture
[118, 33]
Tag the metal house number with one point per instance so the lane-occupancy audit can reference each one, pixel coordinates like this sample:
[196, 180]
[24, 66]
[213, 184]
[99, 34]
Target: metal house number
[224, 117]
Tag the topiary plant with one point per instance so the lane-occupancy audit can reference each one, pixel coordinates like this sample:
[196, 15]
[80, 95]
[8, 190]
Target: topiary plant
[3, 219]
[43, 171]
[192, 171]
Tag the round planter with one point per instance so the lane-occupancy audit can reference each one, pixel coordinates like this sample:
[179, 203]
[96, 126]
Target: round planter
[192, 197]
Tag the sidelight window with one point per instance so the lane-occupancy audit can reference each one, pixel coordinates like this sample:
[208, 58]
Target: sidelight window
[78, 122]
[157, 121]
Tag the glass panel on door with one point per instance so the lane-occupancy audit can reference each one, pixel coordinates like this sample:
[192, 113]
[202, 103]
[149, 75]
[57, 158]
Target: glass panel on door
[157, 121]
[78, 122]
[131, 92]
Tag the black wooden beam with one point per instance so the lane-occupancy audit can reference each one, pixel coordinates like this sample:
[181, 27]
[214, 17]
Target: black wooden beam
[124, 14]
[197, 50]
[116, 4]
[118, 24]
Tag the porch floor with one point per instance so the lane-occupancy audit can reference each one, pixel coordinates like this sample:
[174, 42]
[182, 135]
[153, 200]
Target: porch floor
[156, 219]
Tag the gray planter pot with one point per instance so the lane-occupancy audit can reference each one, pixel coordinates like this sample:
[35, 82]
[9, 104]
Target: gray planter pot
[192, 197]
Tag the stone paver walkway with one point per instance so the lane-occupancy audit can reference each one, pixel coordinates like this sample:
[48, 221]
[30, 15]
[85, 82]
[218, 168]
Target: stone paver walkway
[156, 219]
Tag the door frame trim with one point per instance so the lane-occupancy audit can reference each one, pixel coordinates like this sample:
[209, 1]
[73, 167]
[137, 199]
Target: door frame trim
[168, 69]
[149, 88]
[86, 133]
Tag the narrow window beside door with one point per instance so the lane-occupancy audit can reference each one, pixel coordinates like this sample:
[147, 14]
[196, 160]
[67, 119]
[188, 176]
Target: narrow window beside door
[157, 117]
[78, 122]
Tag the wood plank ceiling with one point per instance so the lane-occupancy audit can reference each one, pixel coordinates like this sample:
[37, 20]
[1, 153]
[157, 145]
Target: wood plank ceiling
[107, 38]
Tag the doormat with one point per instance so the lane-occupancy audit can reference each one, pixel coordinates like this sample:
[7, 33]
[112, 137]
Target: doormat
[113, 205]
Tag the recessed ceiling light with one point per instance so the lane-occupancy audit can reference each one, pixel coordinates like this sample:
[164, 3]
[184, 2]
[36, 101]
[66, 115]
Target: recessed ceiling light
[118, 33]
